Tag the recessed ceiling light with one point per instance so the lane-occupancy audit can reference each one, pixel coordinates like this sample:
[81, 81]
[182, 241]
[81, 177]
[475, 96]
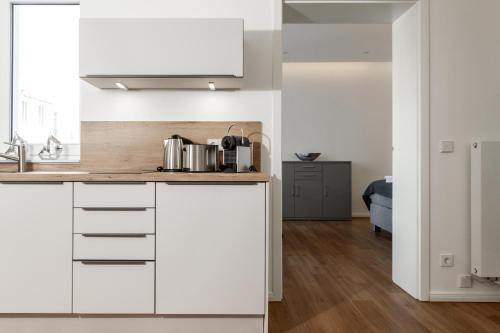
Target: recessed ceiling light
[121, 86]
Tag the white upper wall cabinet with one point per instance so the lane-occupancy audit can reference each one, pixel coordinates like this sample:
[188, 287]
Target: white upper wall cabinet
[162, 53]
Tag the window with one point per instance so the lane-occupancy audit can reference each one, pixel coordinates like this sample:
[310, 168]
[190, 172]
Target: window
[45, 82]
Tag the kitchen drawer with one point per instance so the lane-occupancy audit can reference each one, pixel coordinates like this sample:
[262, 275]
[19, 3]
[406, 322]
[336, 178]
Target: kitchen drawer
[314, 167]
[308, 175]
[113, 247]
[121, 220]
[114, 287]
[114, 195]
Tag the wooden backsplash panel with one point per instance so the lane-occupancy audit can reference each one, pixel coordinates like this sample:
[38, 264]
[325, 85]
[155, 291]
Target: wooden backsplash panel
[135, 146]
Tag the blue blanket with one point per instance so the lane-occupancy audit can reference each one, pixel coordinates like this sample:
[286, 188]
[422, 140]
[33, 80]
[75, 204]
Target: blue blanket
[380, 187]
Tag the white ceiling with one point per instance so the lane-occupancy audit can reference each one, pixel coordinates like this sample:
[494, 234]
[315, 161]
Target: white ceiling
[314, 11]
[337, 42]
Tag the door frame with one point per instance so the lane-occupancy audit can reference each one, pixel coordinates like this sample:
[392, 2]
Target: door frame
[423, 219]
[424, 148]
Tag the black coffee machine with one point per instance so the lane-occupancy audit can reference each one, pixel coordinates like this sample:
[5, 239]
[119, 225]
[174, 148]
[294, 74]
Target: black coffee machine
[237, 152]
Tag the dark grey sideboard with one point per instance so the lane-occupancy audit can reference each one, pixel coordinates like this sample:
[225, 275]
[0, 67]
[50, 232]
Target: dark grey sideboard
[317, 191]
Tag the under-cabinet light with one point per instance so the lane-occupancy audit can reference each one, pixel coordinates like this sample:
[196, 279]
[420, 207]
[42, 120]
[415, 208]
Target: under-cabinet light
[121, 86]
[211, 86]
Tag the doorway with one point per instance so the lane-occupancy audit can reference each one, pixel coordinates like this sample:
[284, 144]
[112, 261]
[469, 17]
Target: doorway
[408, 23]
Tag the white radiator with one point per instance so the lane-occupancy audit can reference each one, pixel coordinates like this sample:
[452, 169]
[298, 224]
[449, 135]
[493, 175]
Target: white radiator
[485, 209]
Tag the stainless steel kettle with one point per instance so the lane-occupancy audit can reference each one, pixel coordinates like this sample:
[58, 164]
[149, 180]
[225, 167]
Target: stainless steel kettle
[172, 159]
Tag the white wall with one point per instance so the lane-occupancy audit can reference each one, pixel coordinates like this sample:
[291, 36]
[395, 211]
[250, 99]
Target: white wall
[465, 106]
[337, 42]
[344, 111]
[254, 102]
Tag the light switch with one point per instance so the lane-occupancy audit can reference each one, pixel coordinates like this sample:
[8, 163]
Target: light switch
[446, 146]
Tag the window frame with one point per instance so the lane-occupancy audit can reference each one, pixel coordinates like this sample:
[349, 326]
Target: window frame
[71, 152]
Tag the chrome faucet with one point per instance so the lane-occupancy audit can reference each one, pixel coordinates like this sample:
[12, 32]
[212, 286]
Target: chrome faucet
[47, 152]
[21, 155]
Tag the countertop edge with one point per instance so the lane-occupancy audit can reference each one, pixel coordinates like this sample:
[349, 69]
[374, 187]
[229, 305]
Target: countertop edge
[133, 177]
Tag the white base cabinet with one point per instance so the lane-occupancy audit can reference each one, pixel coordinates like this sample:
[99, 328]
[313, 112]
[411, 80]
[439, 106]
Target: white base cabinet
[36, 247]
[210, 249]
[114, 248]
[195, 252]
[132, 221]
[114, 195]
[109, 287]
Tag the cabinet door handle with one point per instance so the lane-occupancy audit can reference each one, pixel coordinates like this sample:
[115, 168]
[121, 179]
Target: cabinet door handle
[114, 262]
[114, 235]
[297, 191]
[117, 209]
[293, 190]
[325, 191]
[32, 183]
[114, 183]
[213, 183]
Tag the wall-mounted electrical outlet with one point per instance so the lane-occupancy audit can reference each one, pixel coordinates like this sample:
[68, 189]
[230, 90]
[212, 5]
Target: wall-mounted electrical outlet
[215, 142]
[464, 281]
[447, 260]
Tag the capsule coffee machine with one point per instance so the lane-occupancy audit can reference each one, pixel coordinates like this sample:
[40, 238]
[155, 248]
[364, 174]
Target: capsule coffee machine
[237, 152]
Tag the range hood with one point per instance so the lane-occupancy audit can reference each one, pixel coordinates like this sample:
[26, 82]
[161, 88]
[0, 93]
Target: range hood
[162, 53]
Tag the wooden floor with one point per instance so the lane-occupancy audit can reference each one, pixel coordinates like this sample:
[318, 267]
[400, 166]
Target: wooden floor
[337, 278]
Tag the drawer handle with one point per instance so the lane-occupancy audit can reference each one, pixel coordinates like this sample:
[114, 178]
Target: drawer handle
[235, 183]
[115, 235]
[113, 262]
[123, 209]
[309, 167]
[32, 183]
[114, 183]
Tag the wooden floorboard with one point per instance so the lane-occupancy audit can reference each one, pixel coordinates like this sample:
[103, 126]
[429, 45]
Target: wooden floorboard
[337, 278]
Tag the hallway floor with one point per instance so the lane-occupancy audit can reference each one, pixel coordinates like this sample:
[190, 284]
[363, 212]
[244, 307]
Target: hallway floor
[337, 278]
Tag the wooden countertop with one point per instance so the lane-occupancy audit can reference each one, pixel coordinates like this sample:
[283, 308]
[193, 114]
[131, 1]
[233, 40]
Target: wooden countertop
[76, 176]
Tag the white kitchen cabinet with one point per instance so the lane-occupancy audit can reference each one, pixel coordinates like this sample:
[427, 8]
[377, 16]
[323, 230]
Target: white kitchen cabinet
[113, 287]
[113, 247]
[122, 220]
[210, 248]
[36, 247]
[114, 195]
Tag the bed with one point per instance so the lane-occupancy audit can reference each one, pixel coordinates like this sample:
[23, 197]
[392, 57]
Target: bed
[378, 199]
